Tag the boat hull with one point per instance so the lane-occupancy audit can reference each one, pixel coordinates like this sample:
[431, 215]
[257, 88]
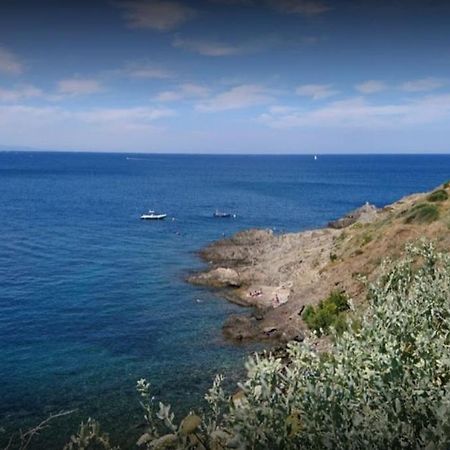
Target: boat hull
[153, 216]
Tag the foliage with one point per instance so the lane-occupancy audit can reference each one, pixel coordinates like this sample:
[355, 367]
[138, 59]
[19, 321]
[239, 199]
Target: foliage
[342, 236]
[193, 432]
[367, 237]
[422, 213]
[384, 384]
[327, 314]
[438, 196]
[89, 437]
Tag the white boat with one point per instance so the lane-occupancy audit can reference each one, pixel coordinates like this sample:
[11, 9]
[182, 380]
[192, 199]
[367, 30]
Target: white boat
[152, 215]
[315, 157]
[223, 214]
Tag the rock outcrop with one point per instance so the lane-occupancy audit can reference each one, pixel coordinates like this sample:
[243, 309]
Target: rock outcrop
[279, 274]
[365, 214]
[220, 277]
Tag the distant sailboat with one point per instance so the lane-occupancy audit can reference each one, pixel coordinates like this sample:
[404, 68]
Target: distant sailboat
[315, 157]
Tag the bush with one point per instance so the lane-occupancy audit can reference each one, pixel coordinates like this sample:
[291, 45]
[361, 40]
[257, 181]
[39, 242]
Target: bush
[385, 384]
[327, 314]
[422, 213]
[438, 196]
[366, 239]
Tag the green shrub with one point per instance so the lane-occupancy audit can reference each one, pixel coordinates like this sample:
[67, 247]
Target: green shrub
[366, 239]
[446, 184]
[342, 236]
[438, 196]
[333, 257]
[327, 314]
[422, 213]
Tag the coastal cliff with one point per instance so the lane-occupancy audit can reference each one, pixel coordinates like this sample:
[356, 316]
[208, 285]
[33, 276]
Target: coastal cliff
[278, 275]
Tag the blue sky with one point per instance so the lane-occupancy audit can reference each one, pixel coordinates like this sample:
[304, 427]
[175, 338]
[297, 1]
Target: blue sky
[226, 76]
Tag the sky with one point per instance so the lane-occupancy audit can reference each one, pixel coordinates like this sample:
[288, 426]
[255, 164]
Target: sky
[225, 76]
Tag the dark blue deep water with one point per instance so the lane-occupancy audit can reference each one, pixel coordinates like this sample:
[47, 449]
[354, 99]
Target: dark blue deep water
[92, 298]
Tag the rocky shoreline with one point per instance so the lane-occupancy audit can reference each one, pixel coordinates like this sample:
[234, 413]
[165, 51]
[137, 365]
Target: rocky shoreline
[277, 275]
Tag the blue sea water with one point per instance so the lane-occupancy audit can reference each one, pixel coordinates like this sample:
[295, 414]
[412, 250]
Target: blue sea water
[92, 298]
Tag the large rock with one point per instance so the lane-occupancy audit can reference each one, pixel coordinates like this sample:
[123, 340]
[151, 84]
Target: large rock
[220, 277]
[365, 214]
[240, 328]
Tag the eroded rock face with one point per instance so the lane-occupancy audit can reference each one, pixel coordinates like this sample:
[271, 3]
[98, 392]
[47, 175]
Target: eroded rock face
[365, 214]
[220, 277]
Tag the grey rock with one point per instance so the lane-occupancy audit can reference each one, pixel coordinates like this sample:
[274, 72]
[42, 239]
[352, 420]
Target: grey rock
[365, 214]
[220, 277]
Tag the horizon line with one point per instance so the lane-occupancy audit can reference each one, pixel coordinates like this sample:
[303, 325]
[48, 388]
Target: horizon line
[97, 152]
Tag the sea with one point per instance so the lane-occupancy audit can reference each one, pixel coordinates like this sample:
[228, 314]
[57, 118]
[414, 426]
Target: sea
[92, 298]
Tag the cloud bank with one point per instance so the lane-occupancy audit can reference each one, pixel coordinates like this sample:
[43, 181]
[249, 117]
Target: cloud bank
[77, 86]
[238, 97]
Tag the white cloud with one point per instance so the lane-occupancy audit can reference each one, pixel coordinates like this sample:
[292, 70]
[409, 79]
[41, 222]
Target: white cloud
[149, 72]
[55, 114]
[238, 97]
[19, 93]
[112, 129]
[281, 109]
[371, 87]
[211, 47]
[359, 113]
[78, 86]
[169, 96]
[424, 84]
[9, 63]
[156, 14]
[187, 90]
[124, 115]
[207, 47]
[316, 91]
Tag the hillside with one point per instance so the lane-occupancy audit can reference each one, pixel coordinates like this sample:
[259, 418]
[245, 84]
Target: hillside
[280, 275]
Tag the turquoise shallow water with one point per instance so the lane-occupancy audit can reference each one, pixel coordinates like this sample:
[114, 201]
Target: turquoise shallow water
[92, 298]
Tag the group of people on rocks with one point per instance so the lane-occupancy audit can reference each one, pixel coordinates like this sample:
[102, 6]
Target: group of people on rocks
[256, 293]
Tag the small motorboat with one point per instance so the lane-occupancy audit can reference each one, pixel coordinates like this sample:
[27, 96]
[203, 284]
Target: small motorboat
[221, 215]
[152, 215]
